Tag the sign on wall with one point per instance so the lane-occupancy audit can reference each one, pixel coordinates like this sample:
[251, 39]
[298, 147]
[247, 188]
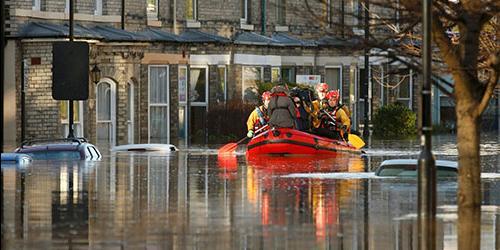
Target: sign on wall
[308, 79]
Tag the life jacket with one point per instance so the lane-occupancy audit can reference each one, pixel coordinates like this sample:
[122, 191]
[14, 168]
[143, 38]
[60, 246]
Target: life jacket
[346, 110]
[262, 119]
[326, 121]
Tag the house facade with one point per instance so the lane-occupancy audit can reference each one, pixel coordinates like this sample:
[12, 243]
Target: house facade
[164, 63]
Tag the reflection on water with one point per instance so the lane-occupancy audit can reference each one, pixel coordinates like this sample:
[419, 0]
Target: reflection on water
[192, 199]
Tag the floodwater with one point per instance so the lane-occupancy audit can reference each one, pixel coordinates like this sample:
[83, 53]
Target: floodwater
[192, 200]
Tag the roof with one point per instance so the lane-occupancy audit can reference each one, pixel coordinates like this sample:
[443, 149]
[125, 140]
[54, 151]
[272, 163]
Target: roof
[251, 38]
[193, 36]
[145, 147]
[160, 35]
[288, 40]
[332, 41]
[49, 30]
[113, 34]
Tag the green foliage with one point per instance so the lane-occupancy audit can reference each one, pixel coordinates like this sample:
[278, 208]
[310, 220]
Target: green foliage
[394, 121]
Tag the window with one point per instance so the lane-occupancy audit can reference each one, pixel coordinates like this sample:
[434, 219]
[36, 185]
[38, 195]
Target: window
[251, 76]
[158, 104]
[288, 74]
[152, 8]
[220, 92]
[36, 5]
[245, 11]
[275, 75]
[97, 7]
[198, 85]
[191, 9]
[328, 13]
[280, 12]
[105, 106]
[333, 77]
[182, 105]
[77, 118]
[404, 91]
[130, 112]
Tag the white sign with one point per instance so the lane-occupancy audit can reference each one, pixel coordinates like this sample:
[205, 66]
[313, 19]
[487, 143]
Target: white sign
[308, 79]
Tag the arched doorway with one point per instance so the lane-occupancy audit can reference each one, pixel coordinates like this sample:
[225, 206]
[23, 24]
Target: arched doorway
[106, 112]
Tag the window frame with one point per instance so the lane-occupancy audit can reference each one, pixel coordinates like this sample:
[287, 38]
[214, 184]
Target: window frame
[341, 76]
[410, 90]
[130, 112]
[281, 12]
[194, 4]
[225, 80]
[205, 103]
[153, 15]
[243, 77]
[167, 104]
[112, 111]
[245, 13]
[36, 5]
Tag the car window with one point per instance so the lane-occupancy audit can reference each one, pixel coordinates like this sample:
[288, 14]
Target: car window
[55, 155]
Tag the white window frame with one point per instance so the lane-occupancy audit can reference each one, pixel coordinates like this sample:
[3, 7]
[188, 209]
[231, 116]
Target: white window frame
[195, 10]
[98, 7]
[225, 80]
[244, 19]
[410, 90]
[243, 77]
[131, 122]
[80, 123]
[153, 15]
[159, 105]
[280, 8]
[36, 5]
[112, 108]
[205, 103]
[340, 67]
[279, 73]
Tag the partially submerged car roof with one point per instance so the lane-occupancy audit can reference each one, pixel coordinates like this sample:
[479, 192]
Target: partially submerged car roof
[145, 147]
[60, 149]
[408, 167]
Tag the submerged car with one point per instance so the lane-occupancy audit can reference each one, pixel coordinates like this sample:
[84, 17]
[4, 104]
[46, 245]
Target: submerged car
[60, 149]
[145, 147]
[408, 168]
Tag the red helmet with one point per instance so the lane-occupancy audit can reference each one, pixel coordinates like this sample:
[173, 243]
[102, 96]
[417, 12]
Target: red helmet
[322, 87]
[266, 95]
[333, 94]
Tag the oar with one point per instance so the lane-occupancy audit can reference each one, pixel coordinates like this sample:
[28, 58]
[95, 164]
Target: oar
[230, 147]
[353, 139]
[356, 141]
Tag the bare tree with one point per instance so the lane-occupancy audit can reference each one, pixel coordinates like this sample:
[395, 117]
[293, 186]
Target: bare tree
[466, 46]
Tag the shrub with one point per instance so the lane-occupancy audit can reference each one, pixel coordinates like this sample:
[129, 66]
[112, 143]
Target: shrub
[394, 121]
[228, 122]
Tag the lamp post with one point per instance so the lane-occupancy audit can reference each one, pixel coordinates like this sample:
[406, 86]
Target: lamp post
[426, 164]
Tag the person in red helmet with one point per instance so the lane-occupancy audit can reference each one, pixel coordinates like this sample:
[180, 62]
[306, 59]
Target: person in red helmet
[259, 117]
[335, 122]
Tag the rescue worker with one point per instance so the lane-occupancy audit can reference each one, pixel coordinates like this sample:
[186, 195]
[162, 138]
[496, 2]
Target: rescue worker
[318, 104]
[282, 112]
[259, 117]
[338, 127]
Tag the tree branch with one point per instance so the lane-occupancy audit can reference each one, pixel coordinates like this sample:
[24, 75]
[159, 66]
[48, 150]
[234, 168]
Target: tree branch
[492, 83]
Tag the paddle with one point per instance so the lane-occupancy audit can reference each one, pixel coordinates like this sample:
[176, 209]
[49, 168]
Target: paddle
[230, 147]
[353, 139]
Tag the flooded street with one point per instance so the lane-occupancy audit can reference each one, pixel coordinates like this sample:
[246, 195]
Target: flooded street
[191, 199]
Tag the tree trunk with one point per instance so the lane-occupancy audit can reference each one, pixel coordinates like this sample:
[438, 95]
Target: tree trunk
[469, 181]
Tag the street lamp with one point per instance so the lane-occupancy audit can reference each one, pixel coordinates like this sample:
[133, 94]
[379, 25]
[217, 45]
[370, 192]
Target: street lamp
[95, 74]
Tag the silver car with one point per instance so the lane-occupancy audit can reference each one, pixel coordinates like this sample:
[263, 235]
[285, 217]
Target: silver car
[60, 149]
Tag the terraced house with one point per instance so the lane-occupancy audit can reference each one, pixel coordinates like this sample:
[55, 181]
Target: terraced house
[164, 63]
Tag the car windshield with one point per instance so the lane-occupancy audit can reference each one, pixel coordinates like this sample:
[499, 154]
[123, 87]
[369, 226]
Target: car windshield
[55, 155]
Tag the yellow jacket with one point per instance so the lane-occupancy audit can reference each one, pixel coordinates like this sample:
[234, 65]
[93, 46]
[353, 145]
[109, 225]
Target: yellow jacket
[253, 119]
[315, 112]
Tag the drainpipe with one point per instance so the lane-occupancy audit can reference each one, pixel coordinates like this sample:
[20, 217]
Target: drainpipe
[2, 47]
[123, 15]
[174, 17]
[263, 16]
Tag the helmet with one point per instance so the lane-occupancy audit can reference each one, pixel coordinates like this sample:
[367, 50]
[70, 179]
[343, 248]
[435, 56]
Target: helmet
[333, 94]
[266, 95]
[322, 87]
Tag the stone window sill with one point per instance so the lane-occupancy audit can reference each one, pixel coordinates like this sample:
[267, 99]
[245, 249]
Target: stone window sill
[193, 24]
[279, 28]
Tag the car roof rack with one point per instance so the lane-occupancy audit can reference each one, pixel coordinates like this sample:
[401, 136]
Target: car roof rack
[32, 142]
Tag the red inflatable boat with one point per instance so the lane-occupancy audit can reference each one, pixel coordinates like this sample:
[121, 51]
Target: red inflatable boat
[291, 141]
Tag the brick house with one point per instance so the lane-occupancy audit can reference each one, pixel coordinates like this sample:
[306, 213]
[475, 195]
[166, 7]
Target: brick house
[220, 49]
